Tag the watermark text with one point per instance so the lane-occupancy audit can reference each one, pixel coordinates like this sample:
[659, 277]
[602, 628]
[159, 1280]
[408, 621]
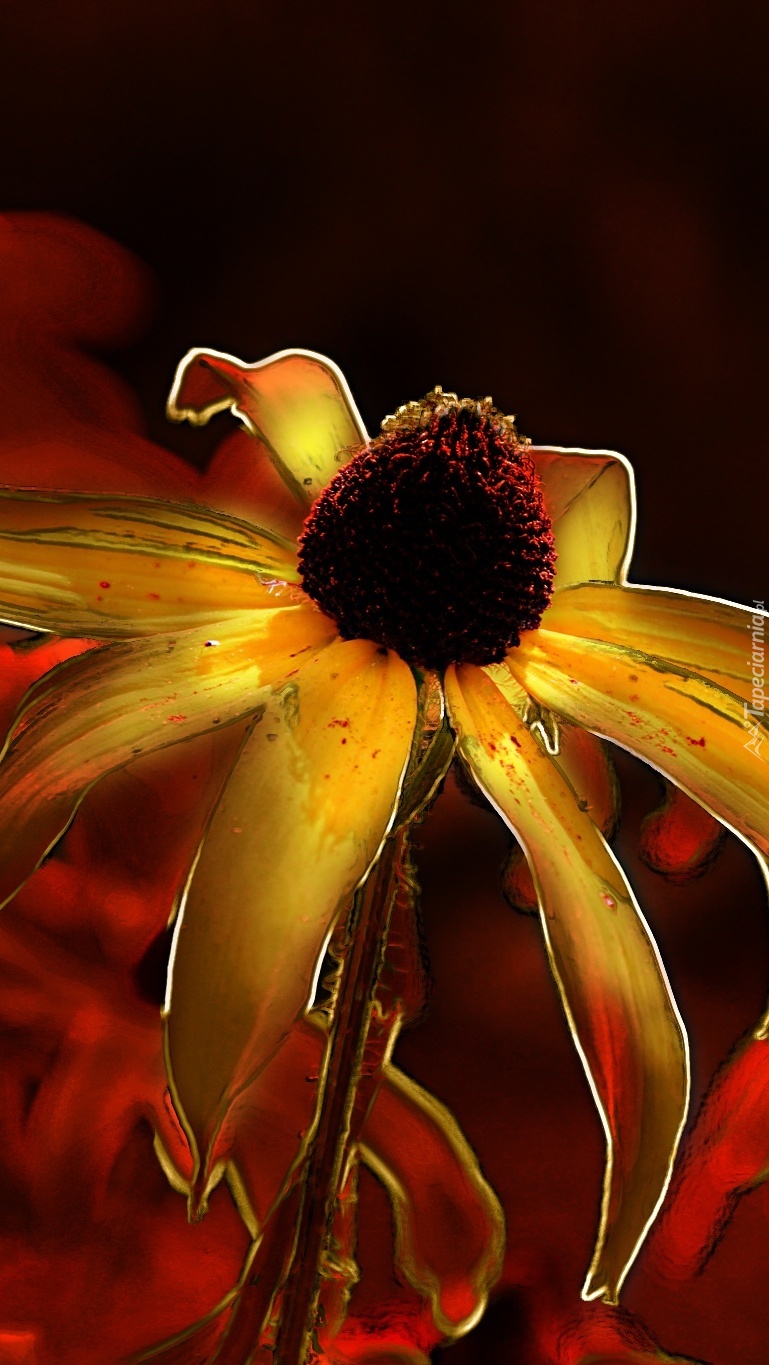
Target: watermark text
[755, 711]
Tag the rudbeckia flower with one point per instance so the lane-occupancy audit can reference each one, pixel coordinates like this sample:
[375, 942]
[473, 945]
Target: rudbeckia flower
[444, 560]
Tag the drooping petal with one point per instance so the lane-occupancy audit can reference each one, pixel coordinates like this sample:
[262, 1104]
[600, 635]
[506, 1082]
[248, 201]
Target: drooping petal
[296, 402]
[613, 987]
[705, 634]
[590, 498]
[106, 567]
[96, 712]
[449, 1227]
[586, 763]
[687, 727]
[300, 823]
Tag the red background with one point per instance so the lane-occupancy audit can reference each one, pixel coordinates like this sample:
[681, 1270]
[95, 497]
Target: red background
[564, 205]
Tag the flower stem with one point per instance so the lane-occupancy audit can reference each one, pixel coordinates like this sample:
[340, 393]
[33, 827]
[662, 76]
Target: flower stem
[366, 936]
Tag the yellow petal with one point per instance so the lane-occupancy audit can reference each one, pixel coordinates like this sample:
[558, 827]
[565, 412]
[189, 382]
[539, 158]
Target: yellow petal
[582, 758]
[107, 567]
[590, 497]
[585, 762]
[613, 987]
[300, 822]
[693, 731]
[705, 634]
[296, 402]
[96, 712]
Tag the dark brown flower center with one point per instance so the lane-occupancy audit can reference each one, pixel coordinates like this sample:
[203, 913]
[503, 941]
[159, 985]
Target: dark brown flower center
[434, 540]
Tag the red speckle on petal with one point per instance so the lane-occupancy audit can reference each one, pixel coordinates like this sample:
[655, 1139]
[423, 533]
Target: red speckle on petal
[336, 721]
[634, 697]
[104, 584]
[153, 596]
[177, 718]
[700, 741]
[666, 749]
[375, 752]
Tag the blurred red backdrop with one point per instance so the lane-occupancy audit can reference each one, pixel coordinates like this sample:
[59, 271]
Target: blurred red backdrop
[564, 206]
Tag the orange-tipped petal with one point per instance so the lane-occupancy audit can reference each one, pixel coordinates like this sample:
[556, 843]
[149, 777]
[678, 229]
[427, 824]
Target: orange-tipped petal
[92, 714]
[297, 403]
[112, 567]
[613, 987]
[301, 820]
[590, 498]
[684, 725]
[705, 634]
[449, 1225]
[680, 839]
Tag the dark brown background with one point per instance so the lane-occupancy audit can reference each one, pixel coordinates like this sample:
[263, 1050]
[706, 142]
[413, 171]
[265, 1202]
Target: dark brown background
[564, 205]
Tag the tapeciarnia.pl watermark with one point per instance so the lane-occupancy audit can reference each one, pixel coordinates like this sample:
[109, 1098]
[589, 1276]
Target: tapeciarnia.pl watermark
[755, 712]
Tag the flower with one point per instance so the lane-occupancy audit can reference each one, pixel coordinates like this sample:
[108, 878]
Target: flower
[207, 625]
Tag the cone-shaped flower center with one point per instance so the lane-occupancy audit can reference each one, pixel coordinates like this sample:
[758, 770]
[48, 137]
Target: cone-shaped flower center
[434, 540]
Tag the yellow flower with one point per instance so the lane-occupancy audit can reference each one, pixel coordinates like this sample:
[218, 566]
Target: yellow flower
[209, 625]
